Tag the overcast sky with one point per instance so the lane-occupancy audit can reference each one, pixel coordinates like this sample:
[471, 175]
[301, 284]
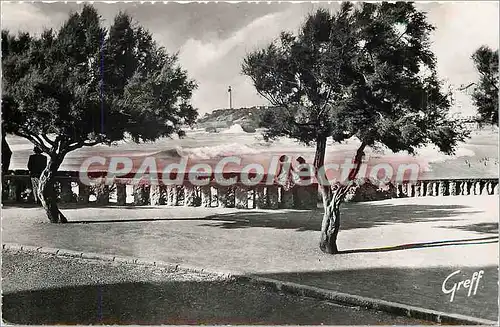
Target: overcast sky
[212, 39]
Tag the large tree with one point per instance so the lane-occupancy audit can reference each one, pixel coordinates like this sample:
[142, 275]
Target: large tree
[366, 71]
[84, 85]
[485, 91]
[10, 45]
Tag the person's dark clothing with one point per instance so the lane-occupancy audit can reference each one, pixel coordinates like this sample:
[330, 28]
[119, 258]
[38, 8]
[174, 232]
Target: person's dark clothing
[6, 155]
[36, 164]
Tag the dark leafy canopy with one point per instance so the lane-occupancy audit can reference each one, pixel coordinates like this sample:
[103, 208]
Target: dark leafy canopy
[485, 94]
[11, 46]
[365, 71]
[83, 86]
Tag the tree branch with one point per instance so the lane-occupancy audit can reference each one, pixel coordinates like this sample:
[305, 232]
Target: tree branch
[344, 188]
[466, 87]
[81, 144]
[489, 79]
[402, 34]
[358, 159]
[327, 99]
[39, 139]
[33, 140]
[304, 124]
[46, 139]
[91, 143]
[74, 146]
[326, 102]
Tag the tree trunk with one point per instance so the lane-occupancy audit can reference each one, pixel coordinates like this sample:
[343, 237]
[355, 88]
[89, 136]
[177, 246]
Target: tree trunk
[47, 194]
[330, 225]
[333, 196]
[331, 216]
[319, 157]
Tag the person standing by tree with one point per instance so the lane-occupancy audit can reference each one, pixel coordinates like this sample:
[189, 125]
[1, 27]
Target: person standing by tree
[283, 172]
[6, 154]
[36, 165]
[283, 178]
[305, 193]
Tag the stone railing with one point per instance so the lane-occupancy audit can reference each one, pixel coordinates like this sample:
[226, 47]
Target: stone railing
[448, 187]
[16, 188]
[424, 188]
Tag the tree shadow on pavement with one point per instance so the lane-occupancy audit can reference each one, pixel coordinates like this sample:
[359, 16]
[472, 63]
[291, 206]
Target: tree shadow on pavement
[485, 228]
[421, 287]
[136, 220]
[469, 241]
[179, 303]
[354, 215]
[65, 206]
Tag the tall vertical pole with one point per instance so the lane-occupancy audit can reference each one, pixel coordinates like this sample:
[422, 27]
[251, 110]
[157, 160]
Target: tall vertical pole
[230, 98]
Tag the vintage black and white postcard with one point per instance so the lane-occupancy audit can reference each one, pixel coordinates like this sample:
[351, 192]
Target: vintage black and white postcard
[263, 163]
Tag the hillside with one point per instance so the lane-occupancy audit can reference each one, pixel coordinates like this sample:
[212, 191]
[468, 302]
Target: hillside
[248, 118]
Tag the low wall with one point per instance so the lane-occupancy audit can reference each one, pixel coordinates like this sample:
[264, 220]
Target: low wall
[436, 187]
[449, 187]
[16, 188]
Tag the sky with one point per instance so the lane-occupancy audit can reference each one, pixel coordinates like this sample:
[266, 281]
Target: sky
[212, 39]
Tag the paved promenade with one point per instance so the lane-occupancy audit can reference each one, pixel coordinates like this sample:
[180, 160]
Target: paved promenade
[398, 250]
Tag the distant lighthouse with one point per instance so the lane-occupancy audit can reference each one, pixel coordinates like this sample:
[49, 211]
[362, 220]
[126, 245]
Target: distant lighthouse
[230, 97]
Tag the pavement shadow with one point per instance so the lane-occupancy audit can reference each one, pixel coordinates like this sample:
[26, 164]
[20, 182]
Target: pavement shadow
[135, 220]
[178, 303]
[415, 286]
[353, 215]
[64, 206]
[485, 228]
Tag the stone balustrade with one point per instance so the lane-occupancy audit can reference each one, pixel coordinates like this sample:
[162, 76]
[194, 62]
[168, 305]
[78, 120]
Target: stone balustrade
[449, 187]
[16, 187]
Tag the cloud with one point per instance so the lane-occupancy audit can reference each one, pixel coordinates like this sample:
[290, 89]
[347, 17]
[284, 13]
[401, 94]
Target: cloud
[197, 54]
[216, 63]
[461, 28]
[27, 17]
[213, 40]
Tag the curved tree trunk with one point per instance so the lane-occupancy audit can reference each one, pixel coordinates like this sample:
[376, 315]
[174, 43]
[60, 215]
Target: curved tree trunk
[331, 216]
[330, 225]
[333, 196]
[47, 194]
[319, 156]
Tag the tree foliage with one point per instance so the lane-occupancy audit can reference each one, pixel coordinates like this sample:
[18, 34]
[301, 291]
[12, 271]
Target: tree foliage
[365, 71]
[89, 86]
[485, 93]
[83, 85]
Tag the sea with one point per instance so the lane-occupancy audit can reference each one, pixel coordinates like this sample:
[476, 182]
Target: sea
[475, 158]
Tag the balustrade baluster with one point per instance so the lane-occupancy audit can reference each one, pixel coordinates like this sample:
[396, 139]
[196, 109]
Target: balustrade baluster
[241, 197]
